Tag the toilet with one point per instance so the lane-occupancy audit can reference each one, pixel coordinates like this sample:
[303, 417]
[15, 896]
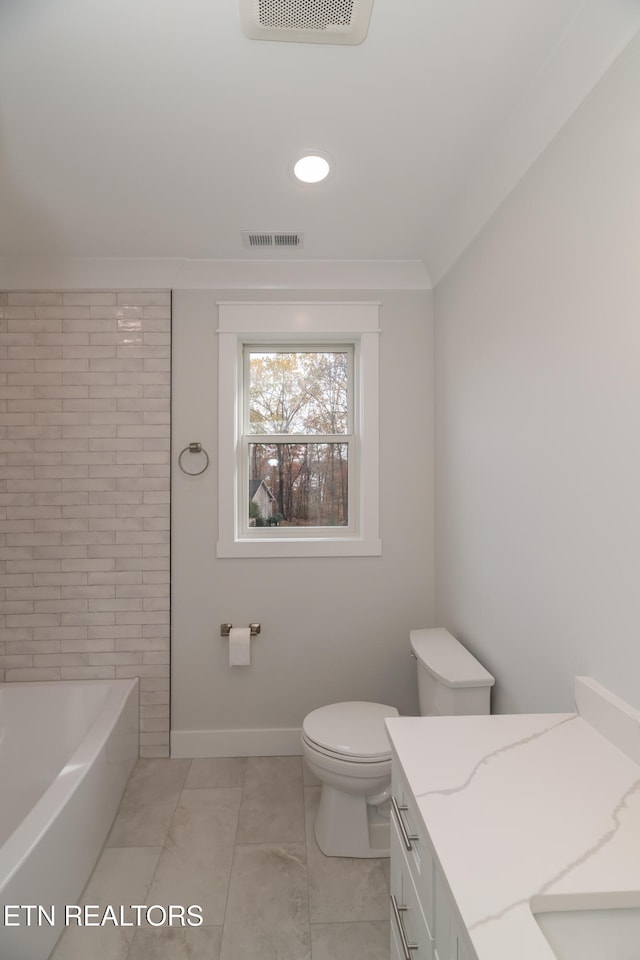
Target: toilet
[345, 744]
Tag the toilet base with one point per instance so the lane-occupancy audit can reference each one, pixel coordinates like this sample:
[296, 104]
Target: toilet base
[347, 826]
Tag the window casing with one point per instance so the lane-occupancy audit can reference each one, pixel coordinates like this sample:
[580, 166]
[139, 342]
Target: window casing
[331, 457]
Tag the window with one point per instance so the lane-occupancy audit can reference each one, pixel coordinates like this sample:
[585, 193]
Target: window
[297, 434]
[298, 429]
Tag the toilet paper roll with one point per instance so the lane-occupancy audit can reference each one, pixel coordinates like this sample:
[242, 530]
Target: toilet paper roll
[239, 647]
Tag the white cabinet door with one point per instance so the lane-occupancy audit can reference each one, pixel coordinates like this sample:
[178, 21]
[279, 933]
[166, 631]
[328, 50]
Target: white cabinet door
[464, 950]
[445, 946]
[451, 939]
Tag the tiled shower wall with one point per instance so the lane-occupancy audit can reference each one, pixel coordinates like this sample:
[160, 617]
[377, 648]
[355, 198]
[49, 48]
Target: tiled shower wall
[84, 492]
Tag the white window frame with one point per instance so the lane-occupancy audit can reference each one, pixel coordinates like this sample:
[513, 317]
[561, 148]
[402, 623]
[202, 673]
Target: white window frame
[350, 438]
[289, 323]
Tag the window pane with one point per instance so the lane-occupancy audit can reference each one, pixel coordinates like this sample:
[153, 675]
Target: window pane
[298, 484]
[294, 392]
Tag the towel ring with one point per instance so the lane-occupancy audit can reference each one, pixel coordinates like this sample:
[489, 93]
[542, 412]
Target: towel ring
[194, 448]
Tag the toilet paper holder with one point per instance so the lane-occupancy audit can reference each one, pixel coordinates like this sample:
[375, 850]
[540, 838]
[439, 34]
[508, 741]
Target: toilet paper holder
[225, 629]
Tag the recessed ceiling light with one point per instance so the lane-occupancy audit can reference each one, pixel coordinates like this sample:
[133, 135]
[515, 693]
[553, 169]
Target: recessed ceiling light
[312, 168]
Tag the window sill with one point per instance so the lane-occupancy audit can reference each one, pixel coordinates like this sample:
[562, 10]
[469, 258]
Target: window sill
[316, 547]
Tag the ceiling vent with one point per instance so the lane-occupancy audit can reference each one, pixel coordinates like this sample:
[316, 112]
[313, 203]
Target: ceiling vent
[306, 21]
[255, 240]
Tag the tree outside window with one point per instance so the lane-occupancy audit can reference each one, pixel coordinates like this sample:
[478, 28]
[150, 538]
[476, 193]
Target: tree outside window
[299, 422]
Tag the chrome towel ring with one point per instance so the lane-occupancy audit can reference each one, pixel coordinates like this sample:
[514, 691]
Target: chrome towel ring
[194, 448]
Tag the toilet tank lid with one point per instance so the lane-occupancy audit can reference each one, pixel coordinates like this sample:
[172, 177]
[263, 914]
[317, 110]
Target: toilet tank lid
[445, 657]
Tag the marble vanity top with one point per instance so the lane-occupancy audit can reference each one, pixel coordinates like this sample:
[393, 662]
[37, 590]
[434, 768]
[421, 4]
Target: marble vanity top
[535, 810]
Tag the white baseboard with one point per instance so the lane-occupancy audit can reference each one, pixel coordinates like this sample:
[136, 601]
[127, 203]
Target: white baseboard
[279, 742]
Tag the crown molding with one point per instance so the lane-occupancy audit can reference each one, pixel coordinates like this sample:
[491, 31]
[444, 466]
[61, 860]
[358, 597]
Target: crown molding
[37, 273]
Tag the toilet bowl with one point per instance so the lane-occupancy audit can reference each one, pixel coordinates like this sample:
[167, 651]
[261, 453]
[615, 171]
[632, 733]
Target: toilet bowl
[345, 745]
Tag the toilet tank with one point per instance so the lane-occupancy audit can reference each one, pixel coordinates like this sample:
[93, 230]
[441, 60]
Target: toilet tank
[451, 682]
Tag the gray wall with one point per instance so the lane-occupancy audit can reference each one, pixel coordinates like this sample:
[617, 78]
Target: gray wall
[538, 417]
[332, 629]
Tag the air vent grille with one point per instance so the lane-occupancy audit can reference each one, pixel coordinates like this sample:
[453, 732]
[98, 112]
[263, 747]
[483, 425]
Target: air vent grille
[302, 15]
[253, 239]
[302, 21]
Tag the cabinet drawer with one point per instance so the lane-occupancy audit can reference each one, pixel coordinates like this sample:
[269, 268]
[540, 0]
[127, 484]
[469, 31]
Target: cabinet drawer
[410, 937]
[413, 843]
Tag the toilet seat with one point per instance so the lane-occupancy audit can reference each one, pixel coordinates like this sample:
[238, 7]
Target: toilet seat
[341, 757]
[352, 731]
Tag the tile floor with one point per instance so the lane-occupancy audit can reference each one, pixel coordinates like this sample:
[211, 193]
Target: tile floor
[234, 836]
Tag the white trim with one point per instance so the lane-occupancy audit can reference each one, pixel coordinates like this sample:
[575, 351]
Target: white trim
[275, 742]
[349, 439]
[354, 322]
[247, 549]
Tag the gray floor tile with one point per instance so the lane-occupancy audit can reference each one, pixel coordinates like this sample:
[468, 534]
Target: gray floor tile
[276, 893]
[386, 867]
[177, 943]
[267, 913]
[107, 943]
[272, 801]
[308, 777]
[148, 803]
[121, 877]
[350, 941]
[216, 772]
[195, 865]
[342, 889]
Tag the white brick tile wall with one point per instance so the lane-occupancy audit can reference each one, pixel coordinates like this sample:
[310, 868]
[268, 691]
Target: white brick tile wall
[84, 492]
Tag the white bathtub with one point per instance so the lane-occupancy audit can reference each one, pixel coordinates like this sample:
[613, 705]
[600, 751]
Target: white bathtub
[66, 752]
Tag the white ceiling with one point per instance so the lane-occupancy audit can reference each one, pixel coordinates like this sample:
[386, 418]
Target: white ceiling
[156, 129]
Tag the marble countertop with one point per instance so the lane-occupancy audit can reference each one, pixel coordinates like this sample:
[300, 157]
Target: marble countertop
[537, 810]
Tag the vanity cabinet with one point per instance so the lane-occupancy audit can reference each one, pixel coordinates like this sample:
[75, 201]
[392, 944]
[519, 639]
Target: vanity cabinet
[486, 844]
[425, 924]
